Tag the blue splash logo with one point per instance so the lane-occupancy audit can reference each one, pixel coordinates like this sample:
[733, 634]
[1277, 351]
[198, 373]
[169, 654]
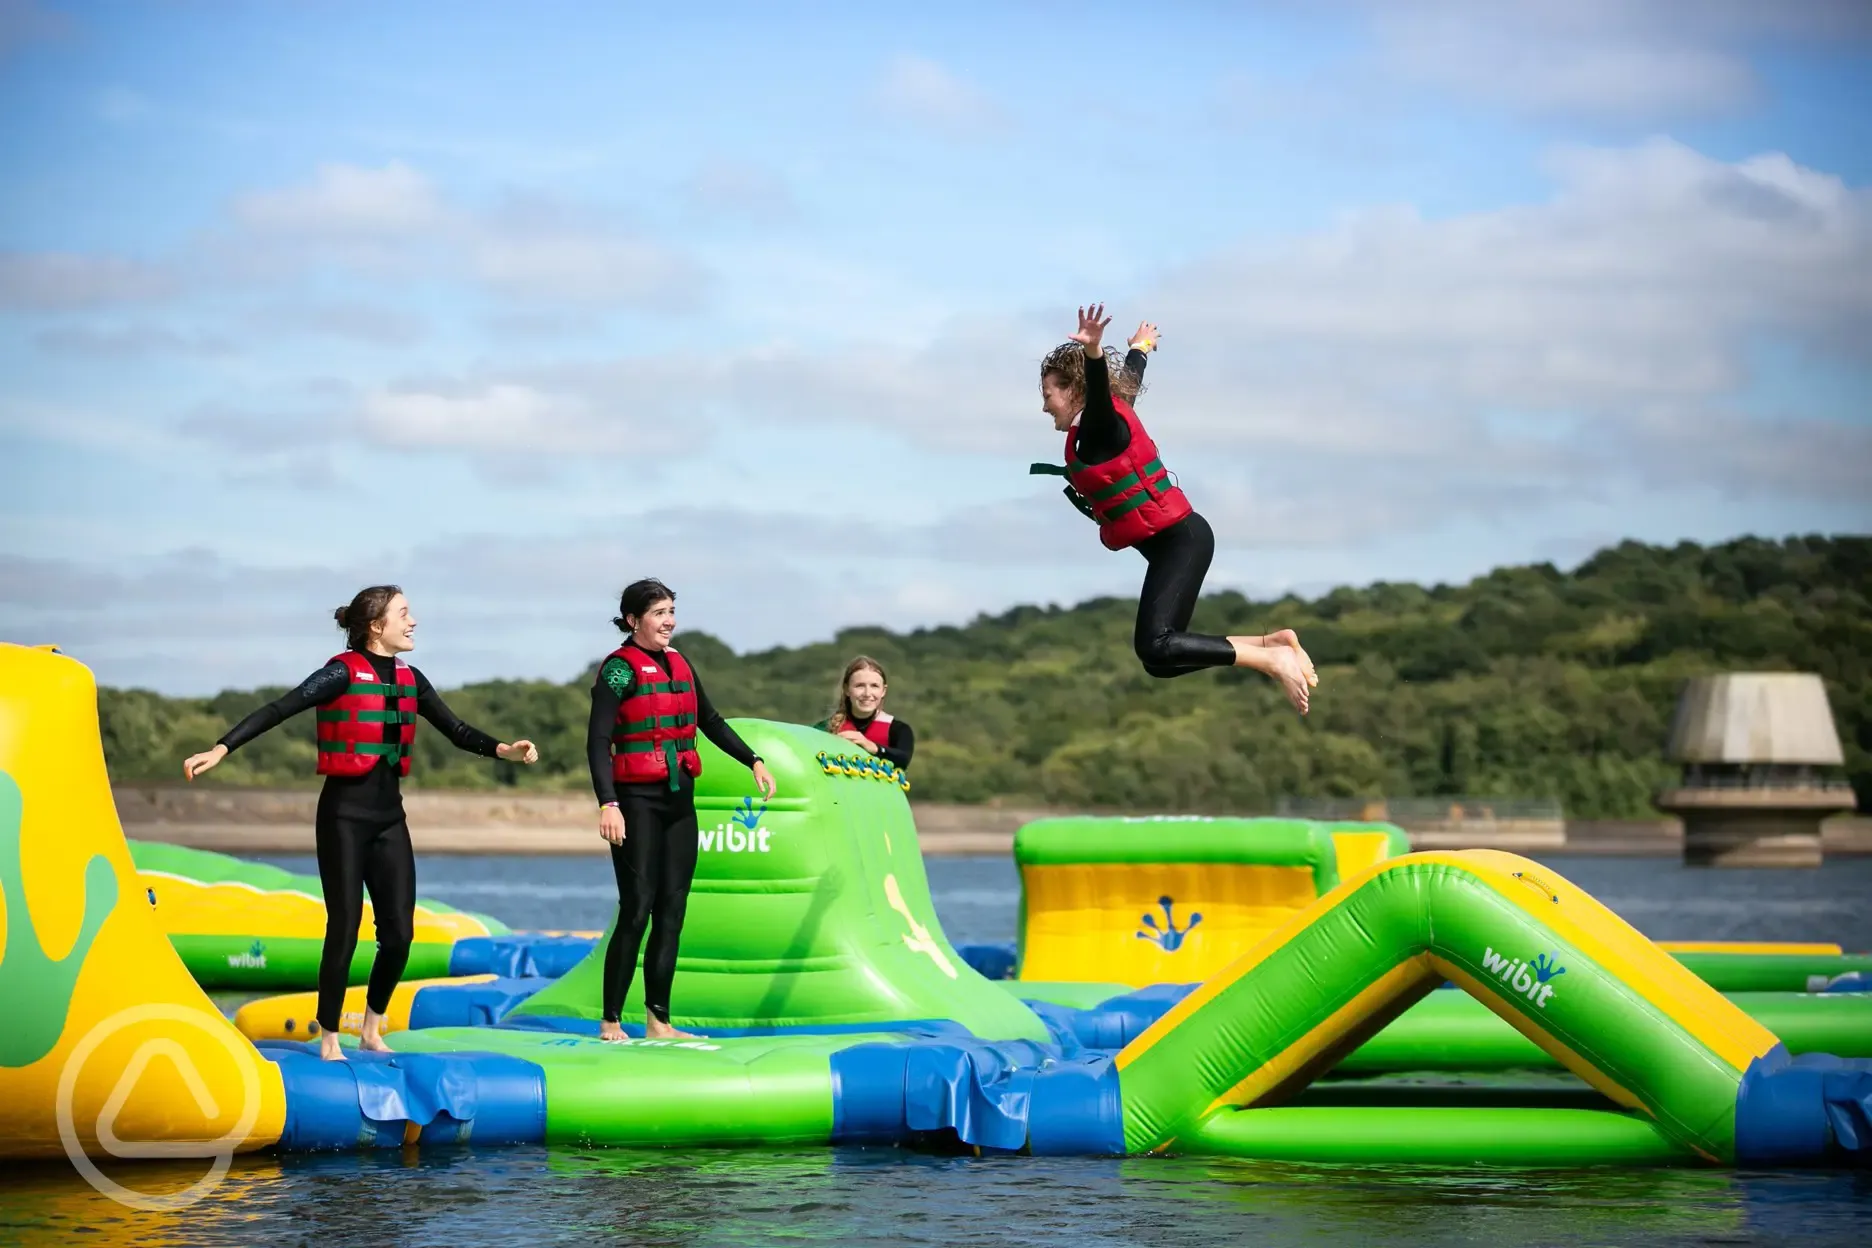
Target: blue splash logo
[1170, 937]
[742, 833]
[1533, 980]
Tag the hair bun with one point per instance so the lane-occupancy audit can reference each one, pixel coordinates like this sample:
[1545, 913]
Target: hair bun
[339, 615]
[617, 621]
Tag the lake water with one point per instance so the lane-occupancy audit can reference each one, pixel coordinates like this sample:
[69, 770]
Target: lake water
[456, 1198]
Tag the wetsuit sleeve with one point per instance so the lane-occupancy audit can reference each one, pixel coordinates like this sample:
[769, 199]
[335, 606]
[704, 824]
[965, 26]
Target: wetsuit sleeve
[716, 729]
[902, 744]
[461, 735]
[1102, 435]
[613, 682]
[320, 687]
[1135, 360]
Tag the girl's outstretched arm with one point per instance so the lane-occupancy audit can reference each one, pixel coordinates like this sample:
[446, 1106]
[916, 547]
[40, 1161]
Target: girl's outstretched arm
[1101, 435]
[320, 687]
[462, 735]
[1137, 352]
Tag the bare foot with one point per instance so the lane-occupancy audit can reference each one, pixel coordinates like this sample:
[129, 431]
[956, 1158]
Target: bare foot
[329, 1048]
[610, 1031]
[1287, 637]
[656, 1029]
[371, 1037]
[1280, 664]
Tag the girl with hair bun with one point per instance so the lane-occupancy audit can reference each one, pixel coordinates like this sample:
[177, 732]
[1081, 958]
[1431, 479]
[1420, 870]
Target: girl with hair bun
[858, 714]
[368, 699]
[647, 707]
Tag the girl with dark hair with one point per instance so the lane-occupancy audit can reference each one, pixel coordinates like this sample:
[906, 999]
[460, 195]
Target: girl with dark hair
[858, 714]
[1117, 479]
[368, 699]
[647, 704]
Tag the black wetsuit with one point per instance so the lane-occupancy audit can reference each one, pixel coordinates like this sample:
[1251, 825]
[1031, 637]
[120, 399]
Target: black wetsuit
[656, 863]
[901, 744]
[363, 841]
[1177, 558]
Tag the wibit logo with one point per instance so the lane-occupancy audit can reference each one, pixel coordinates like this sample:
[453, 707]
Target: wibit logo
[253, 960]
[1170, 937]
[742, 834]
[1530, 979]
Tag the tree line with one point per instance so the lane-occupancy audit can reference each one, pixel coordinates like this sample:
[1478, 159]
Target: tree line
[1525, 682]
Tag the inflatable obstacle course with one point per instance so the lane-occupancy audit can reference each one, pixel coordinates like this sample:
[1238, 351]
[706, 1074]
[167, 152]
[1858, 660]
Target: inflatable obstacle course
[244, 925]
[934, 1051]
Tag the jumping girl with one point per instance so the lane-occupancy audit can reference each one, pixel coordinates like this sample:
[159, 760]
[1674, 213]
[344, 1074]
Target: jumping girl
[368, 700]
[646, 707]
[1117, 480]
[858, 715]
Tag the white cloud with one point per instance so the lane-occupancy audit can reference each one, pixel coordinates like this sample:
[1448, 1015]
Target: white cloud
[1610, 59]
[133, 340]
[925, 92]
[51, 281]
[727, 189]
[345, 201]
[585, 267]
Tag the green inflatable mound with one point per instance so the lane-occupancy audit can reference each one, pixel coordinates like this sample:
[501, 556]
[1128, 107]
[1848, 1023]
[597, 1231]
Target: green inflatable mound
[240, 925]
[809, 910]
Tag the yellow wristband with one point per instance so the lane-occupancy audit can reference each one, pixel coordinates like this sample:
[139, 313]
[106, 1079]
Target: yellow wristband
[1148, 344]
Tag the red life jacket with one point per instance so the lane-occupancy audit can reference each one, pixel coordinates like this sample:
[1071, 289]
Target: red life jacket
[1130, 496]
[351, 725]
[655, 730]
[877, 732]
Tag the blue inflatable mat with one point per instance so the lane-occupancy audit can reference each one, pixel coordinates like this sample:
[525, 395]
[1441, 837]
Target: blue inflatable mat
[1001, 1097]
[519, 955]
[386, 1100]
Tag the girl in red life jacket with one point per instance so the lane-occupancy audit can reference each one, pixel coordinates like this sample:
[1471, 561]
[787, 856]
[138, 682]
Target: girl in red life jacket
[368, 700]
[858, 715]
[1118, 480]
[647, 705]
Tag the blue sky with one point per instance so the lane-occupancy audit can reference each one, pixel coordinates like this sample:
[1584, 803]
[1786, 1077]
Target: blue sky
[512, 305]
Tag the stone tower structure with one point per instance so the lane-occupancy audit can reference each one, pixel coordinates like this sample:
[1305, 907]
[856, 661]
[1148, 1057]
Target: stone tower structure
[1759, 754]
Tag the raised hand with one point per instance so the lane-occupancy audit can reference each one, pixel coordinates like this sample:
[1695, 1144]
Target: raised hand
[1146, 337]
[1092, 323]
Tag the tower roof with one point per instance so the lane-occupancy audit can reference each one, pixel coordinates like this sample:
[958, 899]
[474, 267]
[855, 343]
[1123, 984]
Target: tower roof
[1755, 717]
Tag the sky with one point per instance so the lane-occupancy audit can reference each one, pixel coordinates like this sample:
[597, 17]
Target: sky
[511, 305]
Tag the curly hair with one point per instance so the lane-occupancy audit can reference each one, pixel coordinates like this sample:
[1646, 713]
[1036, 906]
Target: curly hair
[1067, 362]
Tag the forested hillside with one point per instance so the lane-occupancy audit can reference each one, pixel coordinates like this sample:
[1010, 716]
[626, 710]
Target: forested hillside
[1527, 682]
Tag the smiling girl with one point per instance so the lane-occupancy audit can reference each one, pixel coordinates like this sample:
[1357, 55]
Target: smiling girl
[368, 699]
[647, 705]
[858, 715]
